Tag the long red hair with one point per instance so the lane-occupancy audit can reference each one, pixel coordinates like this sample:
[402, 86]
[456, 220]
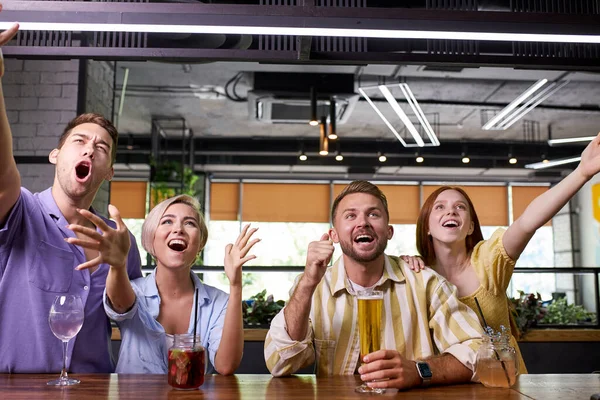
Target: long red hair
[424, 241]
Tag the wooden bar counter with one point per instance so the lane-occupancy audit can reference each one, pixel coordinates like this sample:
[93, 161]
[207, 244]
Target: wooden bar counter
[248, 387]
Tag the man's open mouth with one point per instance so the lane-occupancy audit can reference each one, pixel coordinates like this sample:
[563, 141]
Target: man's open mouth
[363, 239]
[83, 169]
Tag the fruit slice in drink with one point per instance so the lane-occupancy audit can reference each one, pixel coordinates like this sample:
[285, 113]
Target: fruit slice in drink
[186, 368]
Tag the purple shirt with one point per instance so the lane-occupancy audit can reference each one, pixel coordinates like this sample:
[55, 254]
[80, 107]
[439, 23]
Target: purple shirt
[36, 265]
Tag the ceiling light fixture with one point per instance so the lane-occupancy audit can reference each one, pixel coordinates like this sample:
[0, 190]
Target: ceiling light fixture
[553, 163]
[382, 157]
[511, 114]
[414, 105]
[553, 142]
[323, 139]
[313, 107]
[332, 120]
[419, 159]
[339, 156]
[465, 159]
[34, 23]
[287, 21]
[511, 159]
[302, 157]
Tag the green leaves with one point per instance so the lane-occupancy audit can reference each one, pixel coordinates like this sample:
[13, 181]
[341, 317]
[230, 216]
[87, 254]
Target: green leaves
[559, 312]
[260, 309]
[527, 310]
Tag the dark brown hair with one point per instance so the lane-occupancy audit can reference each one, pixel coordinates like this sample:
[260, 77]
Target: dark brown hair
[360, 187]
[97, 119]
[424, 242]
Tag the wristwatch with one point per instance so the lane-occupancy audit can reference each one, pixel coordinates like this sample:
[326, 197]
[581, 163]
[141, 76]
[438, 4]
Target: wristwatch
[424, 373]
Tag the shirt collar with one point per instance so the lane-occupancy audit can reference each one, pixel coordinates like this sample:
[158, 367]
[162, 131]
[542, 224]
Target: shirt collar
[340, 281]
[51, 208]
[150, 289]
[49, 204]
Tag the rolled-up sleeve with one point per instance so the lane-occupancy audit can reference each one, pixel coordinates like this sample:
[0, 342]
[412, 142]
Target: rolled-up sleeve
[455, 326]
[115, 316]
[283, 355]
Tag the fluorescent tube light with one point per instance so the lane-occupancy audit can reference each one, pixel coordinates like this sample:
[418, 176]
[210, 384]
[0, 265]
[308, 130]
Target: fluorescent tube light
[304, 31]
[398, 110]
[412, 101]
[513, 104]
[553, 163]
[531, 104]
[383, 118]
[414, 105]
[553, 142]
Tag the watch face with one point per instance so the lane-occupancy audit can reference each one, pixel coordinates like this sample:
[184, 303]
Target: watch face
[424, 369]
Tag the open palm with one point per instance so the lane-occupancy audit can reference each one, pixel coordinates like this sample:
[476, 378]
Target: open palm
[236, 255]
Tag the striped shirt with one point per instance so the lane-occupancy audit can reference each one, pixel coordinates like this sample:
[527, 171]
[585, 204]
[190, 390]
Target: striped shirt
[422, 317]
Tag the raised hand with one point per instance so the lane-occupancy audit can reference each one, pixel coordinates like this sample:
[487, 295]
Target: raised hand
[389, 369]
[112, 244]
[317, 258]
[4, 38]
[414, 262]
[590, 158]
[236, 255]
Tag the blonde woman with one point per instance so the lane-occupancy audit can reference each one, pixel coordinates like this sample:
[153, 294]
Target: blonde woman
[150, 310]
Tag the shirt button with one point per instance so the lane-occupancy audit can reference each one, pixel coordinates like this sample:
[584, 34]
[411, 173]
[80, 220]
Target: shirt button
[85, 287]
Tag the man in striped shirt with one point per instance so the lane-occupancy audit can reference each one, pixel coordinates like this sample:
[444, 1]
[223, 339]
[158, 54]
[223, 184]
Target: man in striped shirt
[423, 318]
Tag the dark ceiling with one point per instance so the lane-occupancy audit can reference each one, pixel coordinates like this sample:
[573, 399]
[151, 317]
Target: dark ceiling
[203, 84]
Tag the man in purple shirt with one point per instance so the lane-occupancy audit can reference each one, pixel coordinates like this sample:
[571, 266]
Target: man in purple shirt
[37, 264]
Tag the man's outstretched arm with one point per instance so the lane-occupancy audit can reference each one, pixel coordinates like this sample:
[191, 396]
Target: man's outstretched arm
[10, 180]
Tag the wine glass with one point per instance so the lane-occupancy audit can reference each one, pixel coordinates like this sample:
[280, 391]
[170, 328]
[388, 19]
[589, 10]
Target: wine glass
[65, 319]
[370, 305]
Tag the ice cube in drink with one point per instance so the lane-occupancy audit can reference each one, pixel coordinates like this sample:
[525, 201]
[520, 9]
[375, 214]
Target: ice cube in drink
[186, 368]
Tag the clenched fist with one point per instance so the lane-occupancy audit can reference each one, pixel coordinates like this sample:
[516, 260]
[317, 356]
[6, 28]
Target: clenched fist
[318, 258]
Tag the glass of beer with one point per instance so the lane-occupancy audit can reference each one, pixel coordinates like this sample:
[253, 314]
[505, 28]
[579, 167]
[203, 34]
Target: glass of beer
[370, 306]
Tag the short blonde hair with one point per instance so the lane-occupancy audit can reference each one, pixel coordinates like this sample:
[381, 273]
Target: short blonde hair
[153, 219]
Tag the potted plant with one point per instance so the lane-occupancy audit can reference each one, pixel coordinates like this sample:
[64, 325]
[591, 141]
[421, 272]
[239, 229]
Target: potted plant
[527, 310]
[259, 310]
[170, 178]
[559, 312]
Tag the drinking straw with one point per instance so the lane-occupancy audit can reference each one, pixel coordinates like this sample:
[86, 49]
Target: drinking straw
[191, 376]
[495, 351]
[195, 316]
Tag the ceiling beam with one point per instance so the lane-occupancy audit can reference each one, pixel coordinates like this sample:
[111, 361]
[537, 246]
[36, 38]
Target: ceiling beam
[393, 51]
[306, 16]
[357, 152]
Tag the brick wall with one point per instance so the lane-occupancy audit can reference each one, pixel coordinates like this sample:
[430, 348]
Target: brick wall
[41, 97]
[99, 97]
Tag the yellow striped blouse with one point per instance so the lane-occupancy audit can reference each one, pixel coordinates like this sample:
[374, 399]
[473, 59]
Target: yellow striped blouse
[422, 317]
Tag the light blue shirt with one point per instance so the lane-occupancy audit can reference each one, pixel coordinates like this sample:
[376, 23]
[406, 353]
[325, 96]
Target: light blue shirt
[143, 339]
